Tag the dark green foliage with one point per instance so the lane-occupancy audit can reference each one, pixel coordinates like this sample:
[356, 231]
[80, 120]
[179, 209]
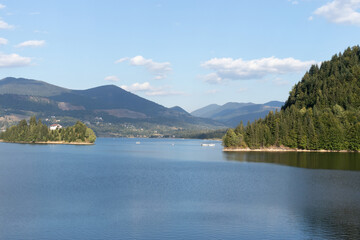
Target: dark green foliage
[233, 139]
[196, 134]
[39, 132]
[322, 111]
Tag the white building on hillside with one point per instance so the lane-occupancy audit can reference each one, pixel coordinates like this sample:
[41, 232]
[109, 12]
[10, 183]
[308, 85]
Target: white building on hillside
[55, 126]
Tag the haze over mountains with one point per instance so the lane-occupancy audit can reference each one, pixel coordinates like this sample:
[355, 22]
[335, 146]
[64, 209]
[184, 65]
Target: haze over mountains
[232, 113]
[109, 108]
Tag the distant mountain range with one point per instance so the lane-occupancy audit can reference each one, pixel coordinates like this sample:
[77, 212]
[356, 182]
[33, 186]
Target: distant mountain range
[109, 109]
[232, 113]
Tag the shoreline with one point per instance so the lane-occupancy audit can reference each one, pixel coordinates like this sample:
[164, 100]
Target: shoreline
[51, 143]
[282, 149]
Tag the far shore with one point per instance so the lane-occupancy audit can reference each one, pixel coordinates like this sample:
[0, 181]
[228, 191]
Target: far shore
[51, 142]
[280, 149]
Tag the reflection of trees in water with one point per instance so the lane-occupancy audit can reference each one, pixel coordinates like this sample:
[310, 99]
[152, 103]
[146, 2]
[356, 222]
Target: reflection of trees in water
[326, 201]
[330, 204]
[342, 223]
[313, 160]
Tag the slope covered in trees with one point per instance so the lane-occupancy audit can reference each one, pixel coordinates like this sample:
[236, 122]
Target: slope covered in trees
[322, 111]
[36, 131]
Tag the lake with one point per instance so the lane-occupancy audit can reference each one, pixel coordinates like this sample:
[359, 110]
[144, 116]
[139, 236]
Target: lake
[175, 189]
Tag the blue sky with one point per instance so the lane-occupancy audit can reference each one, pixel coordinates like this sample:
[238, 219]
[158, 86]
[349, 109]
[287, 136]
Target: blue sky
[185, 53]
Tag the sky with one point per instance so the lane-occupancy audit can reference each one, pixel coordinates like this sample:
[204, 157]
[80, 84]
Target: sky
[175, 52]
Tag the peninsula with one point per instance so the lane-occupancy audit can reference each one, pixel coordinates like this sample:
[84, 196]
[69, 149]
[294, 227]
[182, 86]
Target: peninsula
[321, 114]
[38, 133]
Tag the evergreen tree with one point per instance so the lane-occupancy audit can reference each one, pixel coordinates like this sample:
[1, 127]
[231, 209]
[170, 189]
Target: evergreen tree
[322, 111]
[39, 132]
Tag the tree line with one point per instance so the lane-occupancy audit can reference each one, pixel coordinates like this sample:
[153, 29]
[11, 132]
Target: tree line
[36, 131]
[322, 111]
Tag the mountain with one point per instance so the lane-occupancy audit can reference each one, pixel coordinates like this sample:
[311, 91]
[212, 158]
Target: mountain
[110, 109]
[232, 113]
[322, 111]
[179, 109]
[22, 86]
[206, 111]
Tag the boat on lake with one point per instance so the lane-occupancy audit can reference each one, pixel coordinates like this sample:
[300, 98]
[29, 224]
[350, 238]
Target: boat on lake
[208, 144]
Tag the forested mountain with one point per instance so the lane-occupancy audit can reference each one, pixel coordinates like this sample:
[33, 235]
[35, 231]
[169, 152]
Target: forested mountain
[232, 113]
[23, 86]
[322, 111]
[110, 110]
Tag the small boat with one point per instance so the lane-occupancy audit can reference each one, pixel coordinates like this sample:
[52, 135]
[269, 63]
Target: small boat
[208, 144]
[137, 142]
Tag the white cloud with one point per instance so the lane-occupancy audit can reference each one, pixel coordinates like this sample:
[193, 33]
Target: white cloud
[341, 11]
[13, 60]
[32, 43]
[112, 78]
[310, 18]
[122, 60]
[3, 41]
[2, 6]
[212, 78]
[151, 90]
[136, 87]
[159, 69]
[238, 69]
[5, 25]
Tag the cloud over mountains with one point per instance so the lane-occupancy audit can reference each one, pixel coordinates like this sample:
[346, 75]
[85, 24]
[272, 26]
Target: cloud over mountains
[239, 69]
[13, 60]
[159, 69]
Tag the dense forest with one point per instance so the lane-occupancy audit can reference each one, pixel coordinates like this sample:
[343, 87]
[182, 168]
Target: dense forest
[210, 134]
[36, 131]
[322, 111]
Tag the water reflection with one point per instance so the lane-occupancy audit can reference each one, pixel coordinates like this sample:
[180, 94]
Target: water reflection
[312, 160]
[118, 189]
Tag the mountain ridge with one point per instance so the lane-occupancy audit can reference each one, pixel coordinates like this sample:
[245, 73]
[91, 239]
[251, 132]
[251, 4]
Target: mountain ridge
[112, 104]
[232, 113]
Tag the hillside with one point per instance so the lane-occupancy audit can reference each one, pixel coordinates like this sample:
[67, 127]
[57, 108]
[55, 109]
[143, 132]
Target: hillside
[322, 111]
[110, 110]
[22, 86]
[232, 113]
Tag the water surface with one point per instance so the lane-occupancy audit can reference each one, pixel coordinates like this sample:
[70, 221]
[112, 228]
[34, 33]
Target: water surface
[172, 189]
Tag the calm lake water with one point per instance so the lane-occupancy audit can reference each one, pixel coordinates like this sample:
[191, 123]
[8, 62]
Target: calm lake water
[175, 189]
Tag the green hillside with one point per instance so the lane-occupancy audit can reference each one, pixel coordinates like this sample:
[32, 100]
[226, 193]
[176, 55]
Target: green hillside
[29, 87]
[322, 111]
